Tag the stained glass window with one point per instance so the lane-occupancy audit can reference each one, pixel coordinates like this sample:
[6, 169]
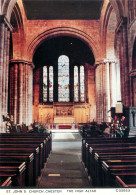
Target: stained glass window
[45, 84]
[82, 84]
[76, 87]
[51, 83]
[63, 79]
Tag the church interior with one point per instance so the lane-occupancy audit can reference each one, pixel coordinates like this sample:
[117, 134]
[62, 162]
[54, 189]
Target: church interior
[68, 93]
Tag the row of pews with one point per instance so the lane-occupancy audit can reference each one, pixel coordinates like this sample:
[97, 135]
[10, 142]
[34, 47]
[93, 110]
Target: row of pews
[22, 157]
[110, 162]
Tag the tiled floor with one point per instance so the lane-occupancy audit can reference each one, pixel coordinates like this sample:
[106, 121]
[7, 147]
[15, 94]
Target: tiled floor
[64, 168]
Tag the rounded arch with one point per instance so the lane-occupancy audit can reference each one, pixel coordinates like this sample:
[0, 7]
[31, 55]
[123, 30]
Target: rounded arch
[63, 31]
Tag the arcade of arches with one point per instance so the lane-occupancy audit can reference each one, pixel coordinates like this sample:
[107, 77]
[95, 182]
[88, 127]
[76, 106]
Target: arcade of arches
[100, 70]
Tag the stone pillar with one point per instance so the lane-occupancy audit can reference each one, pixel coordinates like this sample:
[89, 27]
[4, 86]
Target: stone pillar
[1, 69]
[121, 32]
[20, 94]
[106, 86]
[118, 86]
[4, 63]
[30, 94]
[107, 90]
[4, 73]
[126, 65]
[7, 70]
[21, 91]
[15, 97]
[97, 80]
[113, 84]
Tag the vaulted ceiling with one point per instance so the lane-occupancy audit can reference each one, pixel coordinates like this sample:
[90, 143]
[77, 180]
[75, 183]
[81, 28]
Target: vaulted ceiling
[63, 9]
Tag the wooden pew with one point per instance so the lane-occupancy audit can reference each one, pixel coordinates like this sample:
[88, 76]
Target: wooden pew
[29, 159]
[9, 141]
[28, 140]
[28, 145]
[16, 172]
[110, 173]
[125, 181]
[110, 159]
[22, 151]
[5, 181]
[107, 150]
[90, 141]
[47, 136]
[100, 142]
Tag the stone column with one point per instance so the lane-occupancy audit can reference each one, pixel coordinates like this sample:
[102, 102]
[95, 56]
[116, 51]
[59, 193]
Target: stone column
[4, 72]
[20, 94]
[21, 91]
[121, 32]
[30, 94]
[113, 84]
[118, 85]
[15, 93]
[126, 65]
[7, 70]
[97, 80]
[1, 68]
[5, 26]
[107, 91]
[24, 94]
[106, 86]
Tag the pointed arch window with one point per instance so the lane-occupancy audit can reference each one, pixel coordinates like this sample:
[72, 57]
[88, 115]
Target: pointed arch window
[63, 79]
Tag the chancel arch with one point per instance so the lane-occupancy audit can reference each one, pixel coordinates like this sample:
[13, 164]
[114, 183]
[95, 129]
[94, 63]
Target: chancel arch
[70, 98]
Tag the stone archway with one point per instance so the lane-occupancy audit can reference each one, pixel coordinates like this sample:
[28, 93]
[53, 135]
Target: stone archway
[85, 106]
[66, 31]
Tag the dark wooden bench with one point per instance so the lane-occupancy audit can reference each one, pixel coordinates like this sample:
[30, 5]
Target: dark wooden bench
[125, 181]
[111, 160]
[110, 173]
[17, 146]
[28, 140]
[16, 172]
[100, 143]
[107, 150]
[23, 151]
[30, 178]
[89, 142]
[28, 145]
[5, 181]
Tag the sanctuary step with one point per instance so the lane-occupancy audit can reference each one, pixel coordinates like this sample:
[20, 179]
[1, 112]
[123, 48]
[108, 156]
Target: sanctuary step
[64, 126]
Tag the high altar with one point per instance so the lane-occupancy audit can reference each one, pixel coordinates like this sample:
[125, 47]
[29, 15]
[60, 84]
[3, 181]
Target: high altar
[63, 113]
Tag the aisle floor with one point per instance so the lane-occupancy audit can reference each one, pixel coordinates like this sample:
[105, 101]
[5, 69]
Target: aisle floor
[64, 168]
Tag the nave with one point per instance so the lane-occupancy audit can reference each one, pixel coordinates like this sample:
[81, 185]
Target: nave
[64, 168]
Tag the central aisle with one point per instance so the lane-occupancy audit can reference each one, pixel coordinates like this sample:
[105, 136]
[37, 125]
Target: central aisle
[64, 168]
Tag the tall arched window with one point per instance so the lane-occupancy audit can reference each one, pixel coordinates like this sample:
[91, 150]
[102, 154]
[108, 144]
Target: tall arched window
[45, 86]
[82, 84]
[57, 79]
[48, 84]
[63, 79]
[76, 84]
[51, 83]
